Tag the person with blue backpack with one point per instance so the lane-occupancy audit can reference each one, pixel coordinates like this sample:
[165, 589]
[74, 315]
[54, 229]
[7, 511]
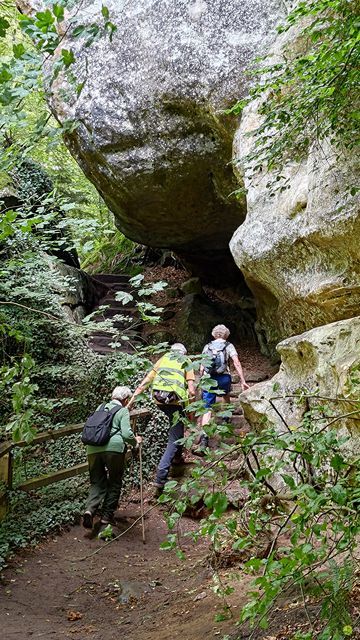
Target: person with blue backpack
[220, 353]
[106, 434]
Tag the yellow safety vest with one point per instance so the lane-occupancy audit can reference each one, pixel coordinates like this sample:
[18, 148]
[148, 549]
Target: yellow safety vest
[170, 376]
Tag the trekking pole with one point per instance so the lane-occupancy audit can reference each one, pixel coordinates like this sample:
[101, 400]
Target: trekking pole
[141, 494]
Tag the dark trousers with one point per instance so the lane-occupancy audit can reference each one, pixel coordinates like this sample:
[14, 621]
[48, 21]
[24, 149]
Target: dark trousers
[106, 470]
[173, 448]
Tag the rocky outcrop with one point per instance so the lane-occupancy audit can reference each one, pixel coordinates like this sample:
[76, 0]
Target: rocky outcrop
[78, 292]
[318, 362]
[298, 248]
[151, 134]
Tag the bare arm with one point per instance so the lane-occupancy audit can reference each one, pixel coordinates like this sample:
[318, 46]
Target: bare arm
[144, 384]
[238, 367]
[192, 388]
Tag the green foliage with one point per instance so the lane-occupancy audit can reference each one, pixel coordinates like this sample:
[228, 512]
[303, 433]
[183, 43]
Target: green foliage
[30, 132]
[310, 93]
[303, 504]
[107, 533]
[148, 312]
[108, 250]
[49, 375]
[45, 513]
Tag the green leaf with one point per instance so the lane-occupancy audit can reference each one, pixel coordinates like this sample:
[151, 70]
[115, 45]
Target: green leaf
[289, 480]
[135, 281]
[4, 25]
[347, 630]
[216, 501]
[58, 11]
[78, 31]
[339, 494]
[337, 462]
[18, 50]
[111, 28]
[44, 19]
[68, 57]
[105, 12]
[5, 75]
[124, 297]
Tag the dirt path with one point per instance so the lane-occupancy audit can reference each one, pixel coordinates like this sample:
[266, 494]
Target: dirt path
[128, 590]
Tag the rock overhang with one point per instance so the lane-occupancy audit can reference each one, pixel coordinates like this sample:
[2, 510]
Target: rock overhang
[152, 134]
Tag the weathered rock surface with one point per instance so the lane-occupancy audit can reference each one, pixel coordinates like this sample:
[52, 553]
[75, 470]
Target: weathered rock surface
[320, 361]
[298, 249]
[198, 315]
[77, 290]
[151, 135]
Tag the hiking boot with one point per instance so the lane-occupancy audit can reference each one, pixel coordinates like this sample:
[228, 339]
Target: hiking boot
[203, 445]
[158, 490]
[88, 520]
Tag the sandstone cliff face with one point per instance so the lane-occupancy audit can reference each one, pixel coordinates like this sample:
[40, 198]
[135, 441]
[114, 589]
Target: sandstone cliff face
[151, 136]
[319, 361]
[299, 248]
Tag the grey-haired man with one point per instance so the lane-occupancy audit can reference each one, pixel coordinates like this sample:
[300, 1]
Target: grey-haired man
[173, 387]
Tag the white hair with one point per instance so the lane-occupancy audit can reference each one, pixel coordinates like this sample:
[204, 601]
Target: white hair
[179, 347]
[121, 393]
[220, 331]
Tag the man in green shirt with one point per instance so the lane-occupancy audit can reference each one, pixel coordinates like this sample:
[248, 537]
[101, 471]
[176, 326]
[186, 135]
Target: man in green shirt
[107, 462]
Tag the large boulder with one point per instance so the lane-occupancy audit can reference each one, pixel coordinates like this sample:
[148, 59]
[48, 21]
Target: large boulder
[150, 131]
[322, 362]
[299, 247]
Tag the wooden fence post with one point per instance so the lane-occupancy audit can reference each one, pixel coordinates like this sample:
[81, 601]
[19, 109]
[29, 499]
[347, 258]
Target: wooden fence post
[6, 480]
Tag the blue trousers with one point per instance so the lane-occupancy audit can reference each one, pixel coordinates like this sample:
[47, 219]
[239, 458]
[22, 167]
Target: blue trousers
[173, 448]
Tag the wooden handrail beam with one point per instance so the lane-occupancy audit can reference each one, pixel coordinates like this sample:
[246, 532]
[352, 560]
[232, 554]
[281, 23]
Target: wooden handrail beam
[6, 447]
[63, 474]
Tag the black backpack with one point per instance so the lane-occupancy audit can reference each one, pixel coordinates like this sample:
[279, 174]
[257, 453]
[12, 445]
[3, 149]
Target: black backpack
[97, 428]
[218, 359]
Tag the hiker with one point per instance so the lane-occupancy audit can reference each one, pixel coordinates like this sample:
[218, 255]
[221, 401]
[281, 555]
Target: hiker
[221, 353]
[172, 387]
[107, 462]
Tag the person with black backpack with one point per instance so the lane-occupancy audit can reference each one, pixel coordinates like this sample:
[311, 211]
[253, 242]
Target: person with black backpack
[173, 387]
[220, 353]
[107, 432]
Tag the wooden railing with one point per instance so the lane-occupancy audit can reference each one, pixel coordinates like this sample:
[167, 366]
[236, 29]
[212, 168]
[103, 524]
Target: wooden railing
[6, 460]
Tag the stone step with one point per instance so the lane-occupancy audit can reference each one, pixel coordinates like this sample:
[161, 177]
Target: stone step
[110, 312]
[100, 348]
[115, 304]
[106, 340]
[111, 278]
[107, 314]
[125, 348]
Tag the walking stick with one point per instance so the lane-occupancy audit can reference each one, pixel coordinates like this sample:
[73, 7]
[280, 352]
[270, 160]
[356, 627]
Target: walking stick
[141, 494]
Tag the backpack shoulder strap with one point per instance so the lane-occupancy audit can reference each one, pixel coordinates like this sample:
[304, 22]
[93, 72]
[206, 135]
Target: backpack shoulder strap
[112, 412]
[223, 350]
[115, 409]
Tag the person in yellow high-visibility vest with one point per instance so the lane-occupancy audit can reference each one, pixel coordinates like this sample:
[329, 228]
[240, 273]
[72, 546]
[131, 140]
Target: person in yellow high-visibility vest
[172, 389]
